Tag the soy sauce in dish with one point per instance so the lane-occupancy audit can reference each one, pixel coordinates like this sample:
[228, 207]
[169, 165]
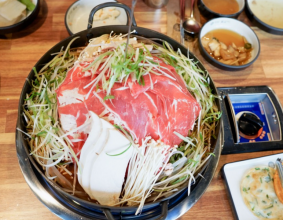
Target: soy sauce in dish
[225, 7]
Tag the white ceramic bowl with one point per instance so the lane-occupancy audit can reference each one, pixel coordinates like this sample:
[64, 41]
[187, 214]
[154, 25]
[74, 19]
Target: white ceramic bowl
[232, 25]
[267, 15]
[76, 18]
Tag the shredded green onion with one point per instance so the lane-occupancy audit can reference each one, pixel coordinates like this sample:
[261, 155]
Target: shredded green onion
[121, 152]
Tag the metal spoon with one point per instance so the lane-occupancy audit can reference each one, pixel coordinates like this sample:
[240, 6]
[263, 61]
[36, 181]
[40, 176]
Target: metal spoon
[130, 26]
[191, 25]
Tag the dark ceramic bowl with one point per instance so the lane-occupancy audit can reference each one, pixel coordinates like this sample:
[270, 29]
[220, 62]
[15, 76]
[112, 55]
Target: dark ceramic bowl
[266, 12]
[209, 14]
[23, 23]
[235, 26]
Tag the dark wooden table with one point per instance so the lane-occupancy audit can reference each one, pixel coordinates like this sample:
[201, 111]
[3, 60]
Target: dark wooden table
[20, 51]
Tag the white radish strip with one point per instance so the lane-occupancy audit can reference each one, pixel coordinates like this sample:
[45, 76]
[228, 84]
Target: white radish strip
[190, 182]
[60, 178]
[151, 84]
[26, 118]
[151, 100]
[87, 122]
[184, 138]
[137, 55]
[76, 140]
[122, 88]
[105, 112]
[106, 62]
[23, 132]
[67, 148]
[99, 77]
[52, 164]
[41, 144]
[67, 171]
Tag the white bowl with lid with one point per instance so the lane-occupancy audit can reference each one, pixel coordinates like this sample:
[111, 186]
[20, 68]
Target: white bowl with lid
[77, 15]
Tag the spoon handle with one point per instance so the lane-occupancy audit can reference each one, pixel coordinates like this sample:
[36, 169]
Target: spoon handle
[130, 26]
[192, 8]
[182, 5]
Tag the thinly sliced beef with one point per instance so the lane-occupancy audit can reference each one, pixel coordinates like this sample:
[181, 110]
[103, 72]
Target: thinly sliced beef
[158, 108]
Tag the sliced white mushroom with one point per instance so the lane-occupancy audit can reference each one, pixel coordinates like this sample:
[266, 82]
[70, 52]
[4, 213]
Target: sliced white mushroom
[108, 171]
[90, 159]
[103, 162]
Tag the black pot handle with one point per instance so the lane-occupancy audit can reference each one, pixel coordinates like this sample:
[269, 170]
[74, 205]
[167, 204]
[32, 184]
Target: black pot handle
[110, 4]
[164, 212]
[108, 214]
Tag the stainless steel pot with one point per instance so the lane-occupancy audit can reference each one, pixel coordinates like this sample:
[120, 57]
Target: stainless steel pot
[110, 212]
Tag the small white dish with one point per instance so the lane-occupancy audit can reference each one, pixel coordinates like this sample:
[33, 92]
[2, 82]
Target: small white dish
[77, 15]
[233, 174]
[235, 26]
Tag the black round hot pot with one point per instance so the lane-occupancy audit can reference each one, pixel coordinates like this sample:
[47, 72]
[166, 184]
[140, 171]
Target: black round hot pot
[67, 206]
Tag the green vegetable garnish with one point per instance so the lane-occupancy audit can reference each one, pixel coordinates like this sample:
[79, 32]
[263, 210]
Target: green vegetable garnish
[246, 189]
[42, 133]
[121, 152]
[108, 97]
[179, 180]
[117, 127]
[266, 169]
[215, 39]
[269, 207]
[248, 46]
[29, 4]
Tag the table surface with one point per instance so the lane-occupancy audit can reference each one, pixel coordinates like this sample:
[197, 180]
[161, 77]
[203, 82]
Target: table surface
[20, 51]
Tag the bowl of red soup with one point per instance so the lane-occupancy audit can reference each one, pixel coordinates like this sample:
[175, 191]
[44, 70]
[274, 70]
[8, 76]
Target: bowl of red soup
[228, 44]
[221, 8]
